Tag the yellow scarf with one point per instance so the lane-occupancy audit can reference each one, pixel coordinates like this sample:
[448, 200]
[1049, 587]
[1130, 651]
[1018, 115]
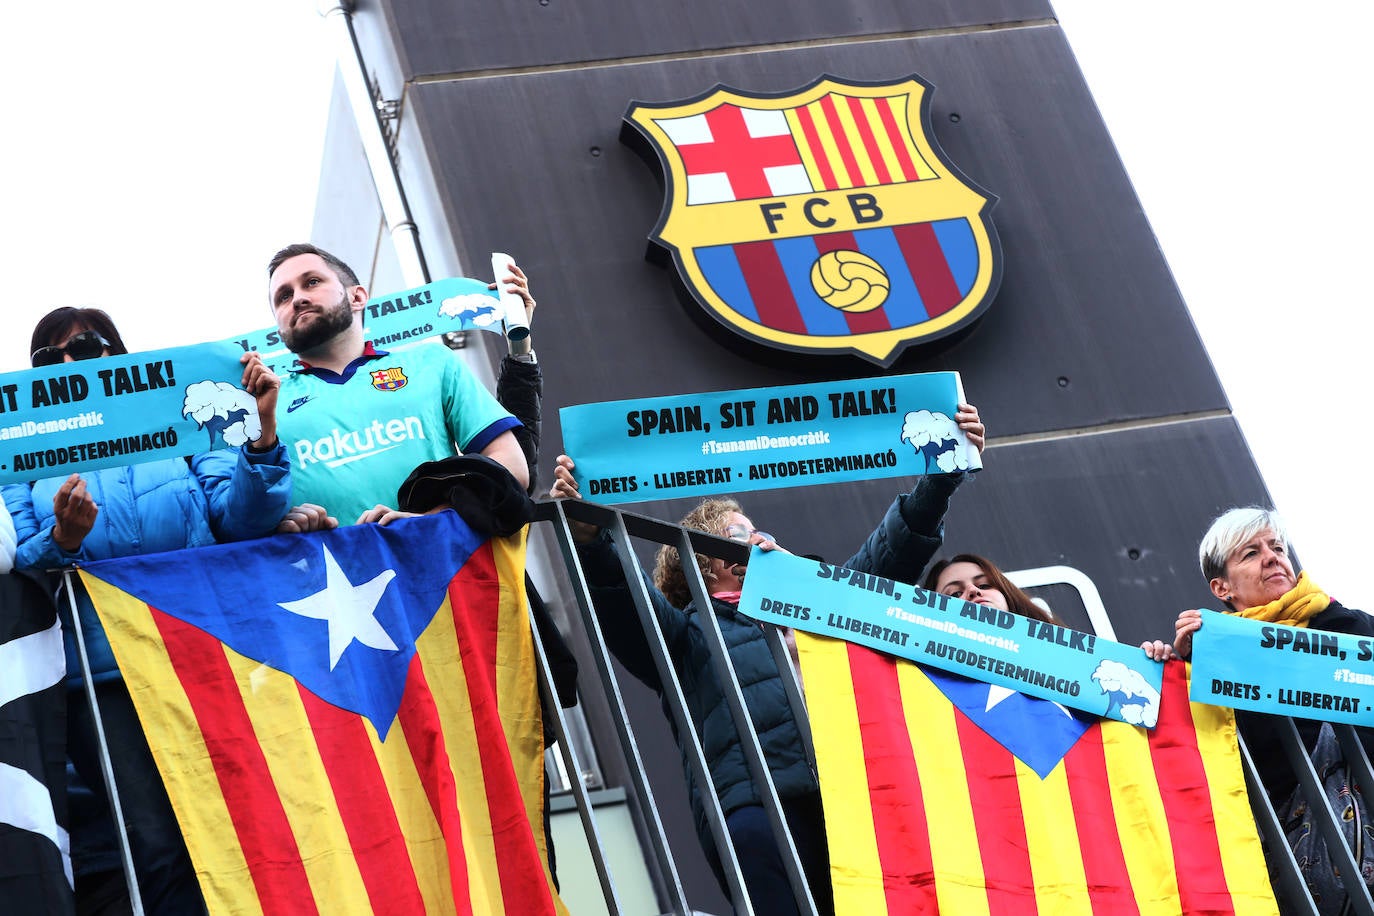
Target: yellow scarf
[1297, 606]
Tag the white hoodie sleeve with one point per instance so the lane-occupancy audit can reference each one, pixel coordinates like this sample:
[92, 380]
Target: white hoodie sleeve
[8, 541]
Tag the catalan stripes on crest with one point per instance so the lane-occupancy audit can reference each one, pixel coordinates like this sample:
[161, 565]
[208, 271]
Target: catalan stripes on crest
[852, 142]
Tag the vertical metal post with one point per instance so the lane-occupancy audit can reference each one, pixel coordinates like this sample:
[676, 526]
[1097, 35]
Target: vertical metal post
[579, 791]
[1277, 852]
[724, 670]
[1338, 853]
[791, 684]
[682, 717]
[106, 769]
[658, 838]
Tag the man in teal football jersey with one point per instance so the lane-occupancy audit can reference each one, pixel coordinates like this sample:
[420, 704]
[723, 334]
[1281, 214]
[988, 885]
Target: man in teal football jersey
[356, 419]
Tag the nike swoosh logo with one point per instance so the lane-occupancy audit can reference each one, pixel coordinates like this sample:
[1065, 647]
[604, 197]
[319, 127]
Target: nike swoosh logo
[300, 402]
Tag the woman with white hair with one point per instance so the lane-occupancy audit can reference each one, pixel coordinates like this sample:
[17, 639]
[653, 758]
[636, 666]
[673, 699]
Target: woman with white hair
[1246, 559]
[1247, 562]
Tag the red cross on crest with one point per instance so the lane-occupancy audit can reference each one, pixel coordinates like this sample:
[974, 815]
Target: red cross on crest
[735, 151]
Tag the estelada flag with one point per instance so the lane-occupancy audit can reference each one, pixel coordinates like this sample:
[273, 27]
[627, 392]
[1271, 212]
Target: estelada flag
[346, 721]
[964, 798]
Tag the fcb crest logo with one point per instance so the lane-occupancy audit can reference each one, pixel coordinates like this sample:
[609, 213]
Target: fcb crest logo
[823, 220]
[389, 379]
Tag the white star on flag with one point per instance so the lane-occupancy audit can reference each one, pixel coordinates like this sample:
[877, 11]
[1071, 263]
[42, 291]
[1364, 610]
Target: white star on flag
[350, 610]
[998, 693]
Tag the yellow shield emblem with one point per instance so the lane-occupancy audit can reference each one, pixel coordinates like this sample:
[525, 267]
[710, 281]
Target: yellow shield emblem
[822, 220]
[389, 379]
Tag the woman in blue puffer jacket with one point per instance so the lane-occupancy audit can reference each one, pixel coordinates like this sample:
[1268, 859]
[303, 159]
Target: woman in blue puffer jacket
[226, 495]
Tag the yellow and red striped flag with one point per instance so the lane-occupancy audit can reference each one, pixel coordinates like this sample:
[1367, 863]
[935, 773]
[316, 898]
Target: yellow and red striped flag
[346, 722]
[962, 798]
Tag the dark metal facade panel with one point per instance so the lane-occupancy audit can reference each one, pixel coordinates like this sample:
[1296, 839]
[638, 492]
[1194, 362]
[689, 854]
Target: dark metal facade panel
[1088, 328]
[443, 36]
[1127, 508]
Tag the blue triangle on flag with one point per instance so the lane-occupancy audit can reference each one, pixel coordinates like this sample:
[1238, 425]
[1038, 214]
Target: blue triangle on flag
[351, 635]
[1038, 732]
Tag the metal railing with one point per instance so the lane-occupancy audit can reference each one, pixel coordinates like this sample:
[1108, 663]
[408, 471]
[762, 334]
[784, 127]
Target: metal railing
[628, 528]
[624, 527]
[1285, 871]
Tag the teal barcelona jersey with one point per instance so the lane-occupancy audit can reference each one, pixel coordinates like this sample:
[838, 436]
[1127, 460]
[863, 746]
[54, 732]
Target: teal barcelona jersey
[353, 438]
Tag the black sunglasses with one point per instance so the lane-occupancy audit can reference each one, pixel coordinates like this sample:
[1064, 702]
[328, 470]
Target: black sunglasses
[86, 345]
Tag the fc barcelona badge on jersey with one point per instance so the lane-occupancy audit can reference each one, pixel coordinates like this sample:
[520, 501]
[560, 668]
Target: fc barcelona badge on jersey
[823, 220]
[391, 379]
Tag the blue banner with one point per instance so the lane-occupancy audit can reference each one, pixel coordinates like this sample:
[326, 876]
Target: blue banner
[455, 304]
[761, 438]
[120, 410]
[1291, 671]
[1039, 659]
